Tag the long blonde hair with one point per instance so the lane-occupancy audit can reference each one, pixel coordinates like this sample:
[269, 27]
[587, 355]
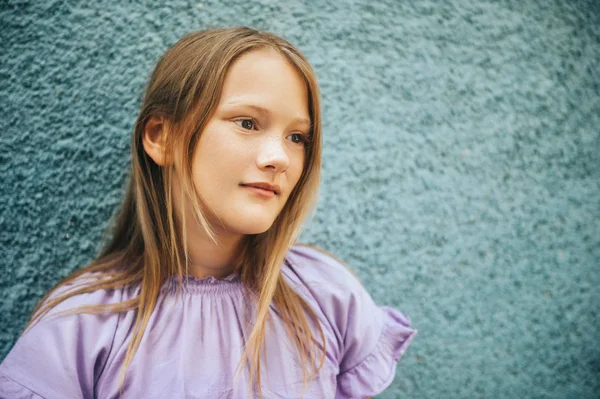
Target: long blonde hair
[148, 243]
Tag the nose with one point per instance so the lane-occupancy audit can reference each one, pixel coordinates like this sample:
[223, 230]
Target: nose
[272, 155]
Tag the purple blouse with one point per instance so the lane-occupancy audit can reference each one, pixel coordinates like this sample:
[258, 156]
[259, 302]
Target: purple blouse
[193, 342]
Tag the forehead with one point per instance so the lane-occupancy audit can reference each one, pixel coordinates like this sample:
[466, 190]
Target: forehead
[265, 78]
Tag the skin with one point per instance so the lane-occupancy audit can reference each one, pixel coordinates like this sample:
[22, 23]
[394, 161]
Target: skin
[256, 134]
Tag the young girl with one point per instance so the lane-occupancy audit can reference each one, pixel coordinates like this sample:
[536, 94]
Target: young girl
[201, 293]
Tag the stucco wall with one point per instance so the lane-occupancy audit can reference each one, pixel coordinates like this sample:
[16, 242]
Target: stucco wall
[461, 175]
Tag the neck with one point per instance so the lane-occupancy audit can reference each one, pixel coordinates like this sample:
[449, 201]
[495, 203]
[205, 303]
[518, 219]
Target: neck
[207, 258]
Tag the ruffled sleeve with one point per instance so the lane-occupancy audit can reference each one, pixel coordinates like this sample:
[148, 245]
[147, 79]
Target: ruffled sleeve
[376, 371]
[369, 339]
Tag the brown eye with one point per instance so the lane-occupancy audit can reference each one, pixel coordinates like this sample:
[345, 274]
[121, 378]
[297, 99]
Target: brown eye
[247, 124]
[298, 138]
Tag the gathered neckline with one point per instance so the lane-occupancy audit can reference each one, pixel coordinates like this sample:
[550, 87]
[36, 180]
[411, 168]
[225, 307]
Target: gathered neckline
[209, 284]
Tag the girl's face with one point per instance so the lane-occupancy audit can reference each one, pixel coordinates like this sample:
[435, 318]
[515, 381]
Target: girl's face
[251, 154]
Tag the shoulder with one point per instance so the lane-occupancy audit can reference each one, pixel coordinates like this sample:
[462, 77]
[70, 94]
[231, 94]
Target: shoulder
[329, 287]
[77, 298]
[70, 348]
[325, 282]
[310, 266]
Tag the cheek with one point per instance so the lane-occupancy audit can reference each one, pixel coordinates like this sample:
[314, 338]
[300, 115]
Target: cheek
[220, 154]
[212, 144]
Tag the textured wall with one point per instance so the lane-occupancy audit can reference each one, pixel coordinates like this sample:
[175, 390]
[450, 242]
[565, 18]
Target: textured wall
[461, 166]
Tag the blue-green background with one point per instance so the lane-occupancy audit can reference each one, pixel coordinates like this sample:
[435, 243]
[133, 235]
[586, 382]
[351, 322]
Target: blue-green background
[461, 175]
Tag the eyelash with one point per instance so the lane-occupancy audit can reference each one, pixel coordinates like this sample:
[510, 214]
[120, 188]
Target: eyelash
[305, 139]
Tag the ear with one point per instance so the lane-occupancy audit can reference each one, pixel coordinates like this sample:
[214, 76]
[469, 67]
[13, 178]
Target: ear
[154, 138]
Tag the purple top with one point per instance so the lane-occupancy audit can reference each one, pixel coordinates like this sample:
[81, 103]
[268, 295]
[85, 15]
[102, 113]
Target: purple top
[193, 343]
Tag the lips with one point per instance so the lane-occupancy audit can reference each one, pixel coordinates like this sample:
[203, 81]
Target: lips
[264, 186]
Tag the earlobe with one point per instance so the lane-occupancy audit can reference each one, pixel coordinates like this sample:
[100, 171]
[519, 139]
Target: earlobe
[153, 139]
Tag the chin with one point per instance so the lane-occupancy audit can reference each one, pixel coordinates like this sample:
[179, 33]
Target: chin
[250, 230]
[251, 225]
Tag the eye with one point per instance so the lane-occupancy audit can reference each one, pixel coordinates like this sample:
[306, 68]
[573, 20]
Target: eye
[247, 124]
[299, 138]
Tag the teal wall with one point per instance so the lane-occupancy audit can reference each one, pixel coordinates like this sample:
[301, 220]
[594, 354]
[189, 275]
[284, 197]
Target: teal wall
[461, 166]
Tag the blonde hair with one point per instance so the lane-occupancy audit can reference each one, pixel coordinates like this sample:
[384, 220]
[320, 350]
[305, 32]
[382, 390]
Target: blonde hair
[148, 244]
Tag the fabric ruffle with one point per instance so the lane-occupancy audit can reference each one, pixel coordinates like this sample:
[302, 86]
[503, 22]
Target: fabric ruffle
[376, 372]
[207, 284]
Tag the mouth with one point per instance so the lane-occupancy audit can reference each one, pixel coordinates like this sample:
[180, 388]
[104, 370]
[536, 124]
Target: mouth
[264, 186]
[262, 189]
[261, 192]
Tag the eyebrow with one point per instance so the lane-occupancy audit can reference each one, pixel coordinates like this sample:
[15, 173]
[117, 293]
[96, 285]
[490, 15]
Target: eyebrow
[265, 111]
